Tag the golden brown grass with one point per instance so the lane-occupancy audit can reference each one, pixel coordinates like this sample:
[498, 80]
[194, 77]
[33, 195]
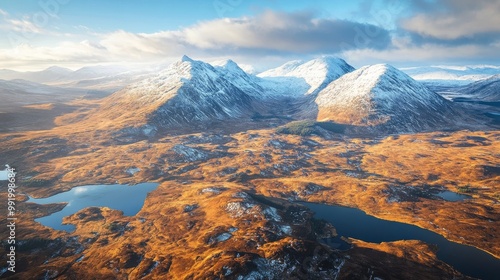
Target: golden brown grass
[353, 172]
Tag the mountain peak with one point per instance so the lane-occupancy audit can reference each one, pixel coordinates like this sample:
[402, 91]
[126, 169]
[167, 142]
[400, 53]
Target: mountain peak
[316, 73]
[373, 76]
[230, 64]
[58, 69]
[186, 92]
[330, 59]
[186, 58]
[226, 64]
[375, 81]
[381, 69]
[381, 95]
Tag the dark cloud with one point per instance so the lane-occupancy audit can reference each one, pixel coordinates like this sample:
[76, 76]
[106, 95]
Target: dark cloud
[287, 33]
[486, 38]
[455, 20]
[426, 31]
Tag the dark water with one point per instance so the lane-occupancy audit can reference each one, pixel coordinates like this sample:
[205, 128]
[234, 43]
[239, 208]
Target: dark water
[452, 196]
[128, 199]
[351, 222]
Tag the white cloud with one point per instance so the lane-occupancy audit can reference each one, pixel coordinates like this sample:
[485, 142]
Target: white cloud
[24, 25]
[285, 32]
[82, 52]
[21, 25]
[24, 28]
[122, 43]
[268, 33]
[270, 36]
[427, 53]
[457, 19]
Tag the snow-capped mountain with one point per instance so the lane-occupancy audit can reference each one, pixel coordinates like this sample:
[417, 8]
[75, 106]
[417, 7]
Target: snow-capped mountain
[384, 97]
[250, 84]
[308, 77]
[452, 75]
[485, 90]
[195, 94]
[247, 68]
[187, 92]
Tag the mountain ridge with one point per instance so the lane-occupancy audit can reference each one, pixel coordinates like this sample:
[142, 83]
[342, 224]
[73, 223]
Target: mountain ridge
[186, 92]
[382, 96]
[314, 74]
[485, 90]
[194, 94]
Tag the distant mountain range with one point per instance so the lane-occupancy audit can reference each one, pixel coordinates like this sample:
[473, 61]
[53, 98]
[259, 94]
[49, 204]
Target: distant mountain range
[484, 90]
[16, 93]
[110, 78]
[49, 75]
[191, 93]
[451, 75]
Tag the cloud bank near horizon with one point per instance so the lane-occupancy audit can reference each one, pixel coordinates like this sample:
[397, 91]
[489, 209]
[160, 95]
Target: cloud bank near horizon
[441, 31]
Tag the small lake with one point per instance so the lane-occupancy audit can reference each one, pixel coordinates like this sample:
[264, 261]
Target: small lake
[128, 199]
[4, 175]
[452, 196]
[352, 222]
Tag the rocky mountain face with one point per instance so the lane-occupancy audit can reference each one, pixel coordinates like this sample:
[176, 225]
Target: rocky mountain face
[382, 96]
[205, 94]
[484, 90]
[187, 92]
[192, 93]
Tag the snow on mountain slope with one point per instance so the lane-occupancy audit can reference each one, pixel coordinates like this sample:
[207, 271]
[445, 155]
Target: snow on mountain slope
[250, 84]
[247, 68]
[382, 96]
[308, 77]
[262, 88]
[283, 70]
[187, 92]
[486, 90]
[192, 93]
[452, 75]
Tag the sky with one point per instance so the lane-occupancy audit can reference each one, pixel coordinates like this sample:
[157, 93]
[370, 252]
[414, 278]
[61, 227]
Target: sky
[36, 34]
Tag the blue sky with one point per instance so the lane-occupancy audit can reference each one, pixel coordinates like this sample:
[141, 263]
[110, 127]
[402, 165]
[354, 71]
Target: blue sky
[156, 15]
[75, 33]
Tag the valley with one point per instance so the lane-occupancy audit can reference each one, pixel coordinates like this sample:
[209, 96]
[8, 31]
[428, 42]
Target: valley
[233, 166]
